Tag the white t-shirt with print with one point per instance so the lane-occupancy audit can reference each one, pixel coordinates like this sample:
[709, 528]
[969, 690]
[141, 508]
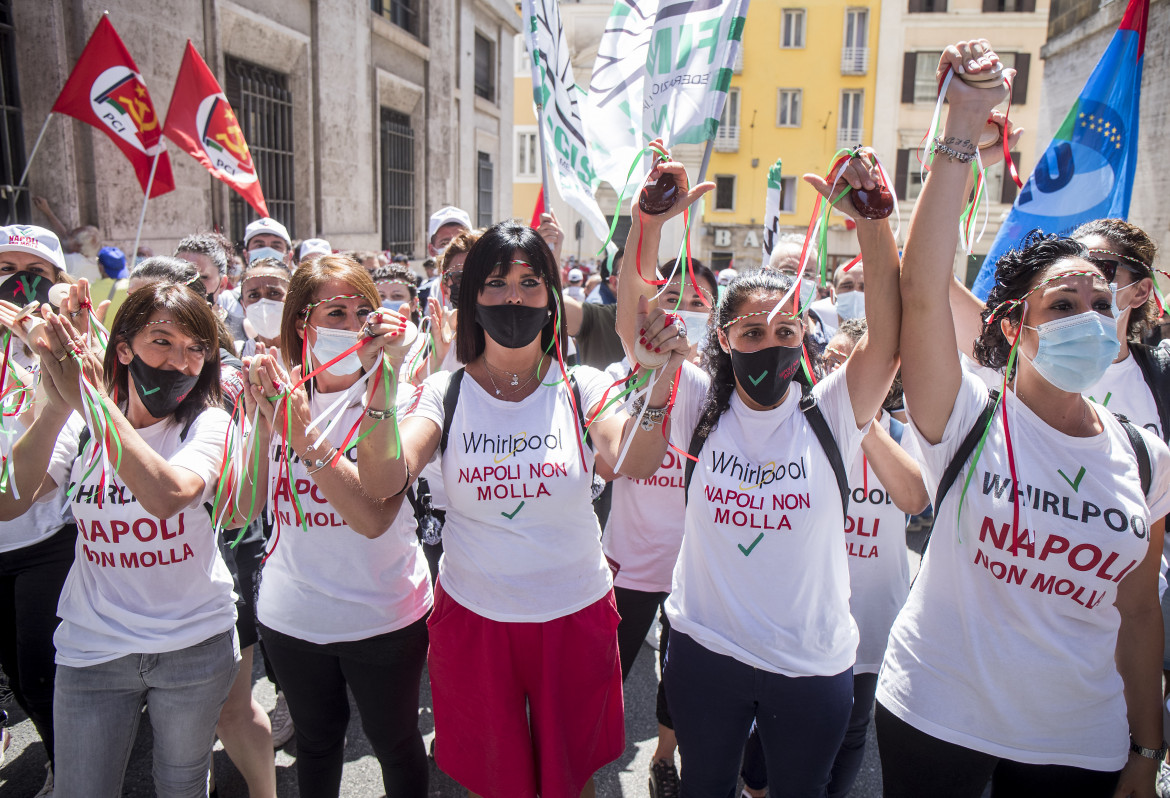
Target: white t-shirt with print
[1007, 648]
[875, 539]
[1123, 390]
[141, 584]
[46, 516]
[645, 526]
[521, 541]
[762, 575]
[327, 583]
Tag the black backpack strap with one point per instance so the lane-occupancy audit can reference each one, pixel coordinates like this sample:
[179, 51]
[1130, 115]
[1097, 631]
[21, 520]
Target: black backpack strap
[1138, 444]
[580, 410]
[698, 438]
[816, 420]
[450, 399]
[962, 455]
[1154, 362]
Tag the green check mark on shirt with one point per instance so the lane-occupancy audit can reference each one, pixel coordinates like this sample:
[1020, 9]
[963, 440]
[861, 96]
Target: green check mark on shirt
[748, 550]
[152, 390]
[512, 514]
[1075, 483]
[757, 381]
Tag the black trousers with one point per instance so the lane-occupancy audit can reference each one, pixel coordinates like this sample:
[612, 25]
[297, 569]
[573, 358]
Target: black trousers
[637, 609]
[30, 587]
[916, 764]
[383, 673]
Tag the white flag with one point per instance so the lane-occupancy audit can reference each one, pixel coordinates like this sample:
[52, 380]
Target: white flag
[556, 95]
[772, 209]
[663, 69]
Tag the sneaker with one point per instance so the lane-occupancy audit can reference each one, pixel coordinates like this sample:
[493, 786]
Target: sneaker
[663, 779]
[1162, 785]
[282, 725]
[47, 789]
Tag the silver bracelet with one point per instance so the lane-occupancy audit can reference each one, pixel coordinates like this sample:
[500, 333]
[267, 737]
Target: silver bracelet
[380, 415]
[952, 154]
[651, 418]
[313, 466]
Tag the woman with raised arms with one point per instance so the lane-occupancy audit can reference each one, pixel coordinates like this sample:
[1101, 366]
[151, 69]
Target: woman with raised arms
[524, 660]
[1028, 651]
[759, 608]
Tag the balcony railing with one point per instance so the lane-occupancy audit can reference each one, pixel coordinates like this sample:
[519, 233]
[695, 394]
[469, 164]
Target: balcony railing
[854, 60]
[727, 139]
[849, 136]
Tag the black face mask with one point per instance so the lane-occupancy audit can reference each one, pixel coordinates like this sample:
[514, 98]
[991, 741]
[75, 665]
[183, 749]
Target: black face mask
[511, 326]
[161, 390]
[766, 374]
[24, 287]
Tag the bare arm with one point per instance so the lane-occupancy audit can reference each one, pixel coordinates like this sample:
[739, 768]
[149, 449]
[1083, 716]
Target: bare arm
[1139, 661]
[967, 310]
[900, 475]
[574, 314]
[55, 224]
[30, 463]
[381, 472]
[930, 360]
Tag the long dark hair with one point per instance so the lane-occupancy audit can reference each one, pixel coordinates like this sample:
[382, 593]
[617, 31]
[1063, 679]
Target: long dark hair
[193, 316]
[183, 272]
[1016, 272]
[492, 254]
[717, 363]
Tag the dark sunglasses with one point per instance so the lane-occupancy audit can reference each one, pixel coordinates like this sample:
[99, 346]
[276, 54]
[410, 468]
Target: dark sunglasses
[1108, 262]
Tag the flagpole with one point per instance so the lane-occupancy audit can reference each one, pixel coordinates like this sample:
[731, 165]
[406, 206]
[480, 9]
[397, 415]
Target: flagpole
[28, 163]
[145, 199]
[543, 159]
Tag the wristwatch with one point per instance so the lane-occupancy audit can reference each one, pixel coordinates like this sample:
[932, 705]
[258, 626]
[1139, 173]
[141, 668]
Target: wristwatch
[1157, 754]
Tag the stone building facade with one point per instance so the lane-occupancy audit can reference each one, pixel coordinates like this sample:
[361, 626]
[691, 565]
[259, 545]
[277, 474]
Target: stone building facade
[363, 116]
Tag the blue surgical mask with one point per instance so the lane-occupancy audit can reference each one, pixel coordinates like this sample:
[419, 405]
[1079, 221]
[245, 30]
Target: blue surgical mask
[264, 252]
[850, 305]
[1075, 352]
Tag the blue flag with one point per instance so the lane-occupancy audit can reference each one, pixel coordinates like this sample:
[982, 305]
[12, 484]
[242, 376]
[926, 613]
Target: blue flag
[1087, 170]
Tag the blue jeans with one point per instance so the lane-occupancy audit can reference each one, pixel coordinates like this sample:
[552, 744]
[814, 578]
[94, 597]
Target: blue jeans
[96, 711]
[713, 701]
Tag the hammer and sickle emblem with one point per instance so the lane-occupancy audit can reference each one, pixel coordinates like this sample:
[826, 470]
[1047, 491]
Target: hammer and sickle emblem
[234, 141]
[139, 111]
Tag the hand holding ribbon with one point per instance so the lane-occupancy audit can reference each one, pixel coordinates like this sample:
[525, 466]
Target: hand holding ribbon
[687, 196]
[384, 333]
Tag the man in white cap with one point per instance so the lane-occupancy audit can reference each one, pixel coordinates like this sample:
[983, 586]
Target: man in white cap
[444, 225]
[313, 246]
[28, 248]
[576, 286]
[268, 238]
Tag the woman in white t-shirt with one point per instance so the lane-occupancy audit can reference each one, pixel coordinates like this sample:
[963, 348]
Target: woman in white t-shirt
[147, 612]
[759, 609]
[1028, 651]
[524, 661]
[343, 600]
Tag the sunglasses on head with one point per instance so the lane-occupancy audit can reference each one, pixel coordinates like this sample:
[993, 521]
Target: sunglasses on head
[1108, 262]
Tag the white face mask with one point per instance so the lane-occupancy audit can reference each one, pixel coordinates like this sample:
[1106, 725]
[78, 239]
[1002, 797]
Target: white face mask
[330, 344]
[696, 322]
[265, 315]
[850, 305]
[264, 252]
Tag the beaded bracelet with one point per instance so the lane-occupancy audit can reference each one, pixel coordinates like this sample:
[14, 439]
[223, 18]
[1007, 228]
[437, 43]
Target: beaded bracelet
[952, 154]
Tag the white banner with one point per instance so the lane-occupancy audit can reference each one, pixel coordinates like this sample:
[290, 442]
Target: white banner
[663, 69]
[557, 97]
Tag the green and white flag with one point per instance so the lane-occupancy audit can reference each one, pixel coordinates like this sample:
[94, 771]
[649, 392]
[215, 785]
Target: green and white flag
[663, 69]
[772, 209]
[557, 98]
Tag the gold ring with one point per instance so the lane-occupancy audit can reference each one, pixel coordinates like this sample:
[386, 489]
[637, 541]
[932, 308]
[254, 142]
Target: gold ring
[63, 358]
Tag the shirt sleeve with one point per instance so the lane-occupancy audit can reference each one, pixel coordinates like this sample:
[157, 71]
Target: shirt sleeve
[590, 314]
[688, 404]
[832, 394]
[202, 452]
[970, 400]
[65, 449]
[430, 398]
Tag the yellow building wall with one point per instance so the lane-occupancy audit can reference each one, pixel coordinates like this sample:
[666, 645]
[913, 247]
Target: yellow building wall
[524, 192]
[815, 69]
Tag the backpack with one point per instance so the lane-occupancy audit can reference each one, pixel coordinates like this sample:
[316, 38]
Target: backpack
[1154, 362]
[967, 447]
[816, 420]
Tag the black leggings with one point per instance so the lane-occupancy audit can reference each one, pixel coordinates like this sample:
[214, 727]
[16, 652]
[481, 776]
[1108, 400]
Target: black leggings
[30, 586]
[637, 609]
[383, 672]
[915, 764]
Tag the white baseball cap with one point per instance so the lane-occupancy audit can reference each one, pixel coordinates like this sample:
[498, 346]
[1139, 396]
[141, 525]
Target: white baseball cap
[575, 275]
[727, 275]
[266, 225]
[311, 246]
[445, 216]
[35, 240]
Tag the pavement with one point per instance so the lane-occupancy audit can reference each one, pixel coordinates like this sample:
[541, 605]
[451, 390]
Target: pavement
[23, 771]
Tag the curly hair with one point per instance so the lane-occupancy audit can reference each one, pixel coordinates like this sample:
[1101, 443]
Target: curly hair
[717, 363]
[1016, 272]
[1134, 243]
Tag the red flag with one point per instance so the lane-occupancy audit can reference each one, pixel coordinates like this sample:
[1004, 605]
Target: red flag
[201, 122]
[106, 90]
[538, 210]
